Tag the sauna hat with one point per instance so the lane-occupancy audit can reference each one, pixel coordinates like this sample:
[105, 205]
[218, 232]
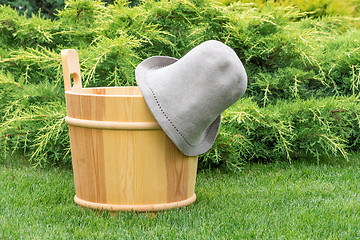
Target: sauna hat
[187, 96]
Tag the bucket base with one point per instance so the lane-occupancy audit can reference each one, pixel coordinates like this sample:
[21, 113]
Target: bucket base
[137, 208]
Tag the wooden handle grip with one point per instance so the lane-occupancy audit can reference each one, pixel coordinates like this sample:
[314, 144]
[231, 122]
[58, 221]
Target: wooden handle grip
[71, 67]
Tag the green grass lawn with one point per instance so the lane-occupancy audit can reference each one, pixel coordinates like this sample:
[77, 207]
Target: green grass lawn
[302, 200]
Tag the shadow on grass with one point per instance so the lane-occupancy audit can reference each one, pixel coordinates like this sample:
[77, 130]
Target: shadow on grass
[302, 200]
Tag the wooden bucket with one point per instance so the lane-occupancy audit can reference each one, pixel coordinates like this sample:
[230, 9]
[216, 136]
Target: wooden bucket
[122, 160]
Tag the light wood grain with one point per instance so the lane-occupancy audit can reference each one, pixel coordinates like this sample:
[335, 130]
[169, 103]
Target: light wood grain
[138, 208]
[71, 67]
[122, 159]
[112, 125]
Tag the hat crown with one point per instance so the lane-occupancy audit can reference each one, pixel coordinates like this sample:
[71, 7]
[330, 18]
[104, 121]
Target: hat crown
[192, 92]
[211, 68]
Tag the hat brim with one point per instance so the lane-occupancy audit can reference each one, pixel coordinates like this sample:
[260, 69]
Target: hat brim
[157, 62]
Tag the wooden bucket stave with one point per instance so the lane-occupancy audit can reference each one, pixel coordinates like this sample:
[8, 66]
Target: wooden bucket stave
[122, 159]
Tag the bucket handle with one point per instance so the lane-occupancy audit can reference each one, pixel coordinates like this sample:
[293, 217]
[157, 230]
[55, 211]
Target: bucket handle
[71, 66]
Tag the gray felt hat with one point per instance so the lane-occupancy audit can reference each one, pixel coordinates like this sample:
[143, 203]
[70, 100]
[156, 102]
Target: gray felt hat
[187, 96]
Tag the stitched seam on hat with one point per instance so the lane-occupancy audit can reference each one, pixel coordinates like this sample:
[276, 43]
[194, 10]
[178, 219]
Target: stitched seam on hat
[169, 120]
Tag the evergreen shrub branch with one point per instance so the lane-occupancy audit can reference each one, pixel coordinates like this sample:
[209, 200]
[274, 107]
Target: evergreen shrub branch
[287, 131]
[33, 122]
[303, 72]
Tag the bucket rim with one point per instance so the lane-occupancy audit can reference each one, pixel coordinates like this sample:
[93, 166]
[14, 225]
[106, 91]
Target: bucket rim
[77, 92]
